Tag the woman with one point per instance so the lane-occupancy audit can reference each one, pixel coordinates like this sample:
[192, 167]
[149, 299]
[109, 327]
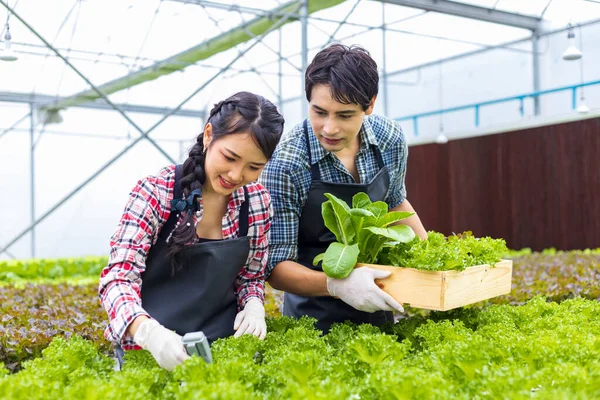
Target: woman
[190, 251]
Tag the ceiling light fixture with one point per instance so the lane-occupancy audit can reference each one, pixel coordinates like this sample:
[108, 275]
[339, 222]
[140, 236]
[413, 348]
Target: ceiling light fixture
[441, 138]
[8, 54]
[583, 108]
[572, 52]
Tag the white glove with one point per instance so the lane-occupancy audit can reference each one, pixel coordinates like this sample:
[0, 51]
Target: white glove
[360, 291]
[165, 345]
[251, 320]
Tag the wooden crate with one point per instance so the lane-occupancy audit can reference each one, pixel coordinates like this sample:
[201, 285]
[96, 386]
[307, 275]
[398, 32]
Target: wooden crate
[445, 290]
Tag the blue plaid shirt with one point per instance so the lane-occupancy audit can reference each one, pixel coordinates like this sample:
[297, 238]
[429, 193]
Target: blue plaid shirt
[287, 177]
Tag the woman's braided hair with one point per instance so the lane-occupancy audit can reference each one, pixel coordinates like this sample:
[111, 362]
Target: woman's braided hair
[243, 112]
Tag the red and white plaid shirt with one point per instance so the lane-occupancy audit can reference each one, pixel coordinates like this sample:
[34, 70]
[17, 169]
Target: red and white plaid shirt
[146, 212]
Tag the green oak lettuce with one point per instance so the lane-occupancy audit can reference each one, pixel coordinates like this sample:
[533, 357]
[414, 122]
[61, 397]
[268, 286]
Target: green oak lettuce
[541, 350]
[440, 253]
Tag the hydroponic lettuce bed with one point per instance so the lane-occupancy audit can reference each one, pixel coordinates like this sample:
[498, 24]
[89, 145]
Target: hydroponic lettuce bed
[32, 314]
[539, 350]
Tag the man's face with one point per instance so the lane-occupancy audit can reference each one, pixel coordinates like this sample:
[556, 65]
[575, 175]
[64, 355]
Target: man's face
[231, 162]
[336, 125]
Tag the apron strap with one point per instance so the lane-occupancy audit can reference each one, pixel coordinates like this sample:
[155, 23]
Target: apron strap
[379, 157]
[314, 168]
[177, 194]
[244, 214]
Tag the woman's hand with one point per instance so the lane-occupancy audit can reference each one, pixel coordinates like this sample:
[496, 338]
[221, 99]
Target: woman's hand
[251, 320]
[165, 345]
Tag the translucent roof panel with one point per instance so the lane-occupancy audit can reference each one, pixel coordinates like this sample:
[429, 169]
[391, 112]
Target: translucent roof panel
[432, 61]
[108, 40]
[555, 12]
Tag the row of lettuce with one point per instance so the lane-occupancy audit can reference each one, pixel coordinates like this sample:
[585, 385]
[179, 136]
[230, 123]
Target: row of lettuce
[41, 270]
[542, 350]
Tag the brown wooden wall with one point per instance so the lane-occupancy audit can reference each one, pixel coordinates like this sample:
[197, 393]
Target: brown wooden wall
[537, 188]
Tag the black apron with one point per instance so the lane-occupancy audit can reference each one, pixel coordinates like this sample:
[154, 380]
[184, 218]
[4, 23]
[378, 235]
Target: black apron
[200, 296]
[314, 238]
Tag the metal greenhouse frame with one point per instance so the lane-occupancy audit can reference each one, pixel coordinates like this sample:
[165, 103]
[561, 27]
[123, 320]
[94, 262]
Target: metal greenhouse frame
[46, 109]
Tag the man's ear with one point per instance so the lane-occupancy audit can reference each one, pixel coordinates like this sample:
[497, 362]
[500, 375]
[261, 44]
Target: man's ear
[207, 135]
[369, 109]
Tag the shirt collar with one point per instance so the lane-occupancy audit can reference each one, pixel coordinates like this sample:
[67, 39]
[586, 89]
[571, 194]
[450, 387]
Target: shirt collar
[236, 199]
[318, 152]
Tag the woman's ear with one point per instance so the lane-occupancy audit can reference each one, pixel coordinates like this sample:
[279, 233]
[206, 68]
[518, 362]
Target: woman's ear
[207, 135]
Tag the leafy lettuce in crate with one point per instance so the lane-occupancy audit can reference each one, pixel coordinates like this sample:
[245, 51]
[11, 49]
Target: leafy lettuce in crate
[440, 253]
[361, 232]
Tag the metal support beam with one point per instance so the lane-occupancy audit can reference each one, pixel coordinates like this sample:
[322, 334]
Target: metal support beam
[93, 135]
[540, 34]
[13, 126]
[304, 44]
[32, 175]
[384, 77]
[369, 28]
[262, 43]
[190, 56]
[237, 8]
[535, 46]
[95, 89]
[340, 25]
[40, 99]
[182, 150]
[278, 54]
[280, 74]
[471, 11]
[97, 58]
[276, 25]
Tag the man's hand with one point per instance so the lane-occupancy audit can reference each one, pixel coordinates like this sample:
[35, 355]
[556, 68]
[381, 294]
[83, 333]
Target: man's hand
[251, 320]
[165, 345]
[360, 291]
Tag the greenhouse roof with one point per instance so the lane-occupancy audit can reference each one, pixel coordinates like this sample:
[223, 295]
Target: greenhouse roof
[123, 46]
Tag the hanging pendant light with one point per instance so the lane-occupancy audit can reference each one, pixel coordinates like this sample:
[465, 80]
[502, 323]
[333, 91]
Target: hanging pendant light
[582, 108]
[441, 138]
[572, 52]
[8, 54]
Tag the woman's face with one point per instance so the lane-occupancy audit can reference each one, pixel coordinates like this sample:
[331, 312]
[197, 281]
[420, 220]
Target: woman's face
[232, 161]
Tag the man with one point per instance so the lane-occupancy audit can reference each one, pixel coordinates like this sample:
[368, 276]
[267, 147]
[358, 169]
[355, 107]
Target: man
[341, 149]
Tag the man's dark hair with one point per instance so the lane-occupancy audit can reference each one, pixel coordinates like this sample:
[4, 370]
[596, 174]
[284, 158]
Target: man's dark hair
[349, 71]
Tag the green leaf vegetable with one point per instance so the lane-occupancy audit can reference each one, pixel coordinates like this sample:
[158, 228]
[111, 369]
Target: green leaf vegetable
[367, 233]
[51, 269]
[541, 350]
[440, 253]
[361, 232]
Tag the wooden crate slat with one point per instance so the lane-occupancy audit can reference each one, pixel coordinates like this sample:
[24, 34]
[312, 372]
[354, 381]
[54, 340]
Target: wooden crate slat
[477, 284]
[445, 290]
